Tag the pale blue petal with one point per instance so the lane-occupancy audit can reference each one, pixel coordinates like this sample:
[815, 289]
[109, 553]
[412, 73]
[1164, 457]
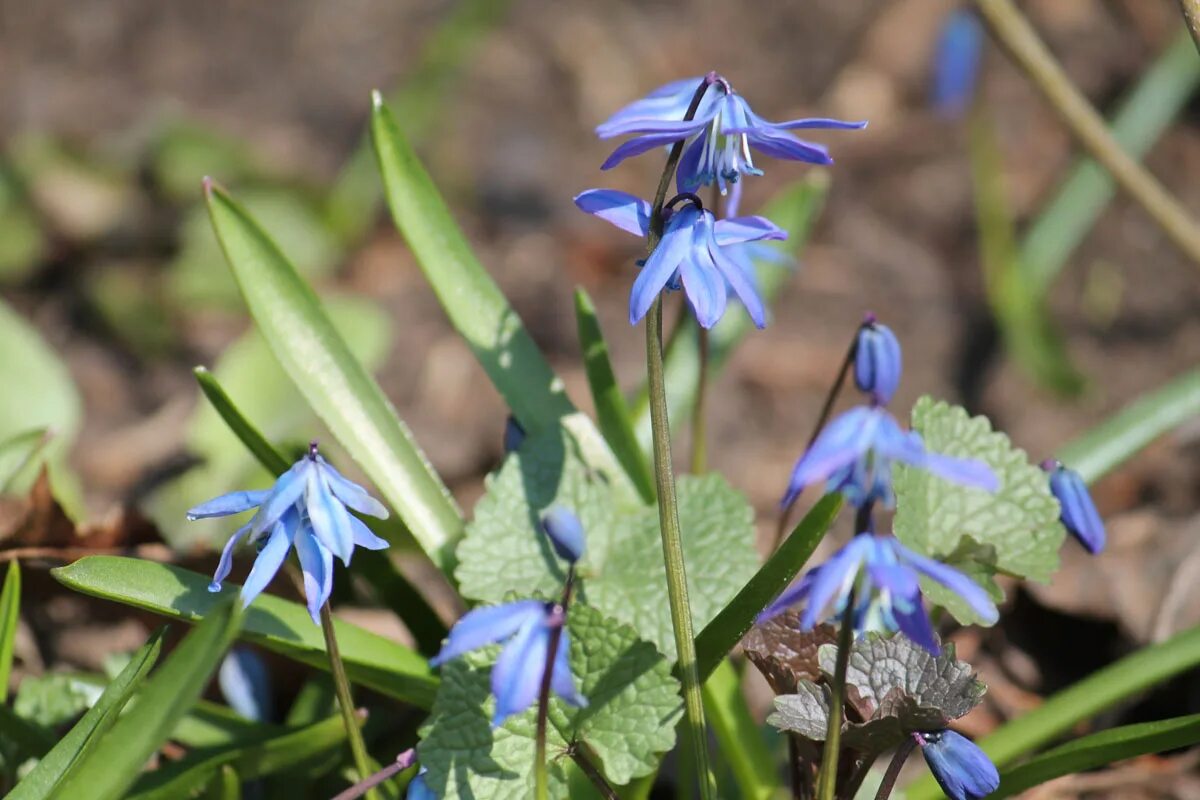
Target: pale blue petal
[245, 684]
[779, 144]
[284, 494]
[961, 768]
[669, 101]
[736, 230]
[316, 562]
[913, 621]
[225, 565]
[964, 471]
[818, 122]
[487, 625]
[561, 679]
[1078, 512]
[226, 504]
[641, 144]
[704, 286]
[659, 267]
[270, 558]
[329, 519]
[628, 212]
[741, 283]
[833, 582]
[350, 493]
[517, 675]
[955, 581]
[365, 537]
[792, 596]
[843, 441]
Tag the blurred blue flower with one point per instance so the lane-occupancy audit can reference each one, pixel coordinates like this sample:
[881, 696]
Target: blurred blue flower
[720, 135]
[306, 508]
[1079, 515]
[695, 253]
[565, 532]
[526, 625]
[245, 684]
[956, 62]
[854, 456]
[877, 361]
[962, 770]
[418, 789]
[514, 434]
[888, 596]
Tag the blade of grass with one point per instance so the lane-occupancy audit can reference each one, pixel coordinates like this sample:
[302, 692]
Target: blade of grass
[738, 735]
[612, 412]
[343, 394]
[107, 771]
[10, 616]
[729, 626]
[1099, 749]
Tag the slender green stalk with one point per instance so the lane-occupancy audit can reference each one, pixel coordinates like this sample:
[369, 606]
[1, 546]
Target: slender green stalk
[827, 780]
[588, 768]
[1191, 15]
[1031, 55]
[699, 423]
[341, 686]
[541, 778]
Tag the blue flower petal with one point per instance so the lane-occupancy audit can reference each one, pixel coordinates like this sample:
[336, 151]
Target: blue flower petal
[350, 493]
[628, 212]
[661, 264]
[779, 144]
[270, 557]
[316, 563]
[793, 595]
[952, 579]
[418, 789]
[487, 625]
[962, 769]
[565, 532]
[812, 122]
[641, 144]
[364, 537]
[561, 679]
[669, 101]
[704, 286]
[517, 675]
[842, 441]
[225, 565]
[735, 230]
[226, 504]
[328, 518]
[963, 471]
[740, 281]
[1079, 514]
[287, 490]
[956, 62]
[877, 362]
[831, 586]
[245, 684]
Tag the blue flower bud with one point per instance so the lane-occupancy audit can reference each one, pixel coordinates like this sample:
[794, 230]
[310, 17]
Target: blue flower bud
[877, 361]
[962, 770]
[565, 532]
[956, 63]
[418, 789]
[1079, 515]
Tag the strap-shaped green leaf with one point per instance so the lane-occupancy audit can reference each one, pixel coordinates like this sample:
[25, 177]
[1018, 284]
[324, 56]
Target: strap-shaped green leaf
[1099, 749]
[344, 395]
[54, 766]
[10, 609]
[738, 735]
[108, 770]
[276, 624]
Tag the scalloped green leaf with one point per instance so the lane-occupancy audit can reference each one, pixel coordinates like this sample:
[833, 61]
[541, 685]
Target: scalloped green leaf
[1016, 530]
[633, 705]
[622, 572]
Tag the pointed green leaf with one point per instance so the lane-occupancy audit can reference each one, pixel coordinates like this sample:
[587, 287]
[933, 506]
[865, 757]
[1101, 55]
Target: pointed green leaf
[10, 616]
[108, 770]
[270, 458]
[612, 413]
[738, 734]
[39, 784]
[633, 705]
[276, 624]
[347, 399]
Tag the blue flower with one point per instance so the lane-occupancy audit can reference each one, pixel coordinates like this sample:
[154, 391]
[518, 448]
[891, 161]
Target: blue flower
[306, 508]
[956, 62]
[527, 626]
[418, 789]
[1079, 515]
[962, 770]
[565, 532]
[695, 253]
[854, 455]
[720, 135]
[889, 598]
[877, 361]
[245, 684]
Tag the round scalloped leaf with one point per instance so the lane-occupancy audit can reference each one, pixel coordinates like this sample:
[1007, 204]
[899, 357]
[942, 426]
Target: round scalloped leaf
[633, 705]
[1015, 530]
[622, 571]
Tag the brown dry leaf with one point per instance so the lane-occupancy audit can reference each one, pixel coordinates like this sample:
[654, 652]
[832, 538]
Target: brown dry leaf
[784, 654]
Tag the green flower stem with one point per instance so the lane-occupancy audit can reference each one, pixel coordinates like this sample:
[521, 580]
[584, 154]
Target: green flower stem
[541, 778]
[589, 769]
[699, 426]
[827, 780]
[341, 686]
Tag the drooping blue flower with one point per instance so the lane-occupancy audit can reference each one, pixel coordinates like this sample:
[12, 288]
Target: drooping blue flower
[418, 789]
[1079, 515]
[695, 254]
[854, 456]
[565, 532]
[526, 625]
[956, 62]
[719, 136]
[962, 770]
[877, 361]
[308, 508]
[245, 684]
[888, 595]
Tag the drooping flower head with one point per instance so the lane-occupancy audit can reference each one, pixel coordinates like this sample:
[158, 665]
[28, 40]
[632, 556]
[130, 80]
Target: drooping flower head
[719, 136]
[308, 508]
[956, 61]
[526, 626]
[697, 253]
[565, 532]
[1078, 515]
[877, 361]
[855, 452]
[885, 576]
[962, 770]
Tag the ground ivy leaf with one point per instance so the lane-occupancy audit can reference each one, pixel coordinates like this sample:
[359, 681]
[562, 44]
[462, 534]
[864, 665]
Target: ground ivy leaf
[633, 705]
[805, 712]
[622, 573]
[783, 653]
[933, 516]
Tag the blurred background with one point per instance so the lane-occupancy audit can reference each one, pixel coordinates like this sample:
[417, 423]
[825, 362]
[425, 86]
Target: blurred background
[114, 288]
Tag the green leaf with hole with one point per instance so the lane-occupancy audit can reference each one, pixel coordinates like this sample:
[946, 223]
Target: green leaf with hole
[276, 624]
[622, 571]
[633, 705]
[108, 770]
[1017, 526]
[340, 390]
[39, 784]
